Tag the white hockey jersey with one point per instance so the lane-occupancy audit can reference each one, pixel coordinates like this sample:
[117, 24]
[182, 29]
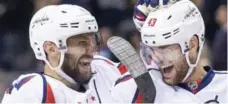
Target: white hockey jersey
[125, 90]
[106, 73]
[40, 88]
[212, 89]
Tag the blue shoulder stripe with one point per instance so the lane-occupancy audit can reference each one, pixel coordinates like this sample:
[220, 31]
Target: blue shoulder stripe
[135, 96]
[125, 78]
[44, 88]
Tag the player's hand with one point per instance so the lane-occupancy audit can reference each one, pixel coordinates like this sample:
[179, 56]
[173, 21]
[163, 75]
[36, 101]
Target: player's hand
[142, 9]
[140, 13]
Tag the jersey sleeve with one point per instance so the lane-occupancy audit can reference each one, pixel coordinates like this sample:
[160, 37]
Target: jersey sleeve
[106, 69]
[24, 90]
[118, 68]
[125, 90]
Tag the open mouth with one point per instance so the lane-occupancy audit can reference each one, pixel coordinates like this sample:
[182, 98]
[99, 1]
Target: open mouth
[167, 70]
[85, 63]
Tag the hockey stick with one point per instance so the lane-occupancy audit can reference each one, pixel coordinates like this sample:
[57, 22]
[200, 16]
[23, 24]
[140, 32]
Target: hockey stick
[129, 57]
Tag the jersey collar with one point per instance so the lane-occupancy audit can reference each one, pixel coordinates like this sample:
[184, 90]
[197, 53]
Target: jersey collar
[197, 86]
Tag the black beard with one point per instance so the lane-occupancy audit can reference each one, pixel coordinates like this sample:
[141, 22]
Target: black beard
[73, 71]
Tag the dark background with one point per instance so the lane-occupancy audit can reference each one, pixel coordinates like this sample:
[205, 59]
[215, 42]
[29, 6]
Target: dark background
[114, 18]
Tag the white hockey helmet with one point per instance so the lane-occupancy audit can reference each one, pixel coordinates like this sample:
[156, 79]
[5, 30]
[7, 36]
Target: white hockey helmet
[56, 23]
[175, 24]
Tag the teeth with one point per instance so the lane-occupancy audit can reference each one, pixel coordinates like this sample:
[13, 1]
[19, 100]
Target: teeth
[165, 66]
[85, 61]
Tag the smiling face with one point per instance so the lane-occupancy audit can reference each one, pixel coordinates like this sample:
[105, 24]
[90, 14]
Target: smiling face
[78, 57]
[172, 63]
[77, 60]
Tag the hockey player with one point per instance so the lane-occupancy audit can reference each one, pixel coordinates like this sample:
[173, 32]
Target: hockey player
[65, 38]
[173, 37]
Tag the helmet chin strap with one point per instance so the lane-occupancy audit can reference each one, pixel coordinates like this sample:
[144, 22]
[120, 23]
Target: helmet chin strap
[191, 66]
[58, 69]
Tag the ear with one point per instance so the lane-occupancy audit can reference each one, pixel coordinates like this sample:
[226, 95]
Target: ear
[51, 51]
[49, 48]
[193, 45]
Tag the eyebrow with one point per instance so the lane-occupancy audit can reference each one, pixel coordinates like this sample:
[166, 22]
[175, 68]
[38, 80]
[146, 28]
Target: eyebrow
[80, 37]
[85, 36]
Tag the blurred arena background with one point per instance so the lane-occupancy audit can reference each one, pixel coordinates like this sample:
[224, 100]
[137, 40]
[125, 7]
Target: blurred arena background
[114, 18]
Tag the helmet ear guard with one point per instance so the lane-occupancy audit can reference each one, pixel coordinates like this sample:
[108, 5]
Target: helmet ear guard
[176, 23]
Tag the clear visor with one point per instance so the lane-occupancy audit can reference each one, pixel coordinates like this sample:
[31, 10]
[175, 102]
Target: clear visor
[162, 55]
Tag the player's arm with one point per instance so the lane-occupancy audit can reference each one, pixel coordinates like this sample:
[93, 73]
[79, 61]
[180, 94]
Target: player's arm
[24, 90]
[125, 90]
[119, 84]
[106, 64]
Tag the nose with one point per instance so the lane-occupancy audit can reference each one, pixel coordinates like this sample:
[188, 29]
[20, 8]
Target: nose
[90, 51]
[90, 48]
[158, 58]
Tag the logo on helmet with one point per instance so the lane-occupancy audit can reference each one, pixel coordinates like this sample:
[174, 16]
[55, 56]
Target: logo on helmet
[87, 21]
[41, 20]
[148, 35]
[190, 13]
